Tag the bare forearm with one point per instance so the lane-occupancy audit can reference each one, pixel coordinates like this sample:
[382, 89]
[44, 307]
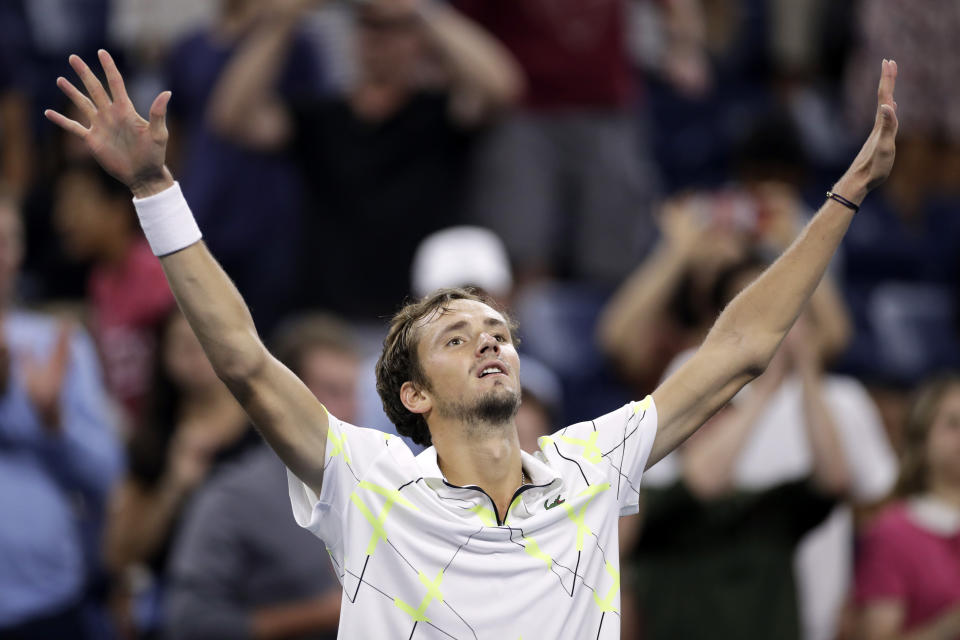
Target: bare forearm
[832, 320]
[248, 81]
[763, 313]
[636, 306]
[297, 619]
[709, 466]
[216, 312]
[830, 471]
[139, 524]
[945, 627]
[480, 64]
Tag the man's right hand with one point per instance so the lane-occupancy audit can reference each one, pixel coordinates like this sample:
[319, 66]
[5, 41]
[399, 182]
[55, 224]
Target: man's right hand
[130, 148]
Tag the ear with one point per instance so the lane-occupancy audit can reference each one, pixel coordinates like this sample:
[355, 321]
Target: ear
[415, 399]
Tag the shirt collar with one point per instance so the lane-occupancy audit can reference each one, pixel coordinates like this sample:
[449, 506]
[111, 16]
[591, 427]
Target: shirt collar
[934, 515]
[538, 472]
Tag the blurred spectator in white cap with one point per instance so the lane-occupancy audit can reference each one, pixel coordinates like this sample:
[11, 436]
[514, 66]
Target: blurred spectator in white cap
[462, 256]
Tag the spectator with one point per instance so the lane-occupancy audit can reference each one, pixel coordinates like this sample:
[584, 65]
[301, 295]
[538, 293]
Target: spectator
[59, 457]
[566, 180]
[127, 291]
[388, 155]
[248, 200]
[16, 152]
[725, 541]
[232, 577]
[908, 567]
[775, 450]
[670, 301]
[902, 259]
[192, 425]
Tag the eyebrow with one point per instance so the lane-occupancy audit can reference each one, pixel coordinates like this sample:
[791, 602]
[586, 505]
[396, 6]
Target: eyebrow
[462, 324]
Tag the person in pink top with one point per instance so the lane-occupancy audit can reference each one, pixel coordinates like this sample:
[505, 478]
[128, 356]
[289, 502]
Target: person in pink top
[908, 569]
[126, 290]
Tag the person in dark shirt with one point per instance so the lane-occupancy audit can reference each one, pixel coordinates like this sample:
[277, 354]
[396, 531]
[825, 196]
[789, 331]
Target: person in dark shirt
[191, 427]
[231, 576]
[248, 199]
[387, 158]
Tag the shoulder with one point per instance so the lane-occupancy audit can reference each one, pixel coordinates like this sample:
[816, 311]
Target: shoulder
[891, 524]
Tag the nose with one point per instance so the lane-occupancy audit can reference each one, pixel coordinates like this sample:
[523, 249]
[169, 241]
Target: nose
[487, 343]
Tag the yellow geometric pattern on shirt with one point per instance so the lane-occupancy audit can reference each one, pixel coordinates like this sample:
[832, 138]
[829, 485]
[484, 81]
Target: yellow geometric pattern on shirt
[533, 549]
[591, 452]
[393, 497]
[338, 441]
[607, 603]
[433, 593]
[486, 515]
[578, 517]
[643, 405]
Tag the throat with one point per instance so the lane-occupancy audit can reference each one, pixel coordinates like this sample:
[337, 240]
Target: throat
[493, 464]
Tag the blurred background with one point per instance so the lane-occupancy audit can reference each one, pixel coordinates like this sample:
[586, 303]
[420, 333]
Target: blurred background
[611, 171]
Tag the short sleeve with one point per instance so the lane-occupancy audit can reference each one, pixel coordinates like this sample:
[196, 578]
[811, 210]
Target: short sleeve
[618, 444]
[877, 571]
[871, 459]
[350, 453]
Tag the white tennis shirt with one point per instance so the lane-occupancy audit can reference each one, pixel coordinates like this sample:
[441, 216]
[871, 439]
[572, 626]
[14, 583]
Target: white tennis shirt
[421, 558]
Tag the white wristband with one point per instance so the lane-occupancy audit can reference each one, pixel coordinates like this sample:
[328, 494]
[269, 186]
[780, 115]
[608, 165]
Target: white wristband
[167, 221]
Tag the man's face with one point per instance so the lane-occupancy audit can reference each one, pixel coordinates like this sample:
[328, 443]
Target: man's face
[390, 42]
[332, 377]
[470, 363]
[11, 249]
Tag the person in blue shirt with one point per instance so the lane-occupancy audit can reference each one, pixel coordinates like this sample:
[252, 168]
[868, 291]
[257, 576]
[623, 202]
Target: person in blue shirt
[59, 457]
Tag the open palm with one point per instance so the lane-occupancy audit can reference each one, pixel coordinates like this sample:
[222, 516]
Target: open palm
[130, 148]
[878, 152]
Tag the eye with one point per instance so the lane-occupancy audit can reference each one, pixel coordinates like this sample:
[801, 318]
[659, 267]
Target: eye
[500, 337]
[455, 341]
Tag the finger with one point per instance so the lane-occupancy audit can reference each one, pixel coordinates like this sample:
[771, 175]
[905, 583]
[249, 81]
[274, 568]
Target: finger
[95, 90]
[76, 96]
[158, 114]
[888, 79]
[61, 351]
[117, 89]
[888, 120]
[66, 123]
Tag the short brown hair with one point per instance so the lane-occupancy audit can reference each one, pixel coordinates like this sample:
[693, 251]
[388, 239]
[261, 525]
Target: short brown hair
[914, 466]
[400, 363]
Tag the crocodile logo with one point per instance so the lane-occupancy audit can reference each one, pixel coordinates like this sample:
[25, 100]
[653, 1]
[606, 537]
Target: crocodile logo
[557, 501]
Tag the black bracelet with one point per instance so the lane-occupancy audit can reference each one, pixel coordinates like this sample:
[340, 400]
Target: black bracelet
[843, 201]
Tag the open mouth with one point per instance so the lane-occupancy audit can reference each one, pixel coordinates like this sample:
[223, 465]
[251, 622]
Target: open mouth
[492, 370]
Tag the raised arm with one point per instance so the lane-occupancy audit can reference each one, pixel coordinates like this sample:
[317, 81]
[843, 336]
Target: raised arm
[748, 332]
[244, 105]
[133, 150]
[485, 77]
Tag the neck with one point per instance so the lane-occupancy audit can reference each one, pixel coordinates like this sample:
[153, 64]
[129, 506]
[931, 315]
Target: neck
[489, 460]
[946, 492]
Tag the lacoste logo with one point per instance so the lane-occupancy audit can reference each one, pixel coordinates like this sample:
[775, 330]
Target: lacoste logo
[556, 501]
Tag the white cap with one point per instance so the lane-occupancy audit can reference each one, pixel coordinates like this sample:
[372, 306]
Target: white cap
[462, 256]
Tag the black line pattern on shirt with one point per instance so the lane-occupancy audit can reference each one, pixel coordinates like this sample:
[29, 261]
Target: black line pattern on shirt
[574, 462]
[574, 573]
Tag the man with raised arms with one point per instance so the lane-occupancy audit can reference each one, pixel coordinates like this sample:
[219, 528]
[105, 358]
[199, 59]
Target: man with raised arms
[472, 538]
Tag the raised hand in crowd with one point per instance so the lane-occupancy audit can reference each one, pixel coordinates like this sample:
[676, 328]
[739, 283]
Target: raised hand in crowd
[44, 379]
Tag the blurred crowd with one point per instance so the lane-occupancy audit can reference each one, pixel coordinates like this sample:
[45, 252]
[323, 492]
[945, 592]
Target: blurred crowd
[613, 171]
